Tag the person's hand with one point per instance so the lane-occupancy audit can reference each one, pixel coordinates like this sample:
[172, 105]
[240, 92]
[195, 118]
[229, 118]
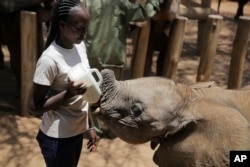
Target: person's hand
[94, 106]
[93, 140]
[74, 90]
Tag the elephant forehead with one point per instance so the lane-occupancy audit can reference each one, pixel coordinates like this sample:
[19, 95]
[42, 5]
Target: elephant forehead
[158, 95]
[151, 87]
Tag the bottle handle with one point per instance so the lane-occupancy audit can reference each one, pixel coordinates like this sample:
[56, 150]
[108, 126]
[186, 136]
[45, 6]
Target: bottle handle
[98, 75]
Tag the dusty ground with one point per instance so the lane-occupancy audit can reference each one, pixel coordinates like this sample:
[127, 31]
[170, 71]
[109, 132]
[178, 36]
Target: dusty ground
[18, 147]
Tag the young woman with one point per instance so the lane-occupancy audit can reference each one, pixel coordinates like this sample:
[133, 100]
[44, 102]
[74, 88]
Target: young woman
[65, 116]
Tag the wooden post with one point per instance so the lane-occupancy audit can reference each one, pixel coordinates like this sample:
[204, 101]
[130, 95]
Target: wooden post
[28, 54]
[174, 47]
[141, 51]
[209, 46]
[201, 25]
[240, 45]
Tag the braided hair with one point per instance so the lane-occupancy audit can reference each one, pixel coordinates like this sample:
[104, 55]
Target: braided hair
[60, 11]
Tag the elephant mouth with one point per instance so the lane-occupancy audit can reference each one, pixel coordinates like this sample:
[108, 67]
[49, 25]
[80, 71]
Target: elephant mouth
[109, 114]
[117, 117]
[128, 122]
[97, 111]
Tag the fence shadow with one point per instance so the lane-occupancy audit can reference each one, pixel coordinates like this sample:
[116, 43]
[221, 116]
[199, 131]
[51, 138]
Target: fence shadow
[17, 143]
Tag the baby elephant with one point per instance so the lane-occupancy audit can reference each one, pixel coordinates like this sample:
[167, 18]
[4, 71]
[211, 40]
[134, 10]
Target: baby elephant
[189, 126]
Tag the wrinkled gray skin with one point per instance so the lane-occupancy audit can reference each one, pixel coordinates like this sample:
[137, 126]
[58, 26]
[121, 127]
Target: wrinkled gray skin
[187, 125]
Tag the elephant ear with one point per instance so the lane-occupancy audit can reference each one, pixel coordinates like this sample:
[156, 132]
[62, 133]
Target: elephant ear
[181, 130]
[180, 123]
[177, 130]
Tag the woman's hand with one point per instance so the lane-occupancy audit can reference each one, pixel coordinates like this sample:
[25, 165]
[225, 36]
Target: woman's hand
[74, 90]
[93, 140]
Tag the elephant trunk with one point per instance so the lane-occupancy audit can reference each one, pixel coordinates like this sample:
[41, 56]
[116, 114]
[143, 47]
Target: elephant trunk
[109, 88]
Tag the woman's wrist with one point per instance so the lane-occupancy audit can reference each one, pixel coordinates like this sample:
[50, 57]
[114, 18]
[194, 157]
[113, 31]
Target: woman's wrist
[91, 128]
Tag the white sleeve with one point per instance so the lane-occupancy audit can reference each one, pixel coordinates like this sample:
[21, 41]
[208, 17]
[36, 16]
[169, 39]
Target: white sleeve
[46, 71]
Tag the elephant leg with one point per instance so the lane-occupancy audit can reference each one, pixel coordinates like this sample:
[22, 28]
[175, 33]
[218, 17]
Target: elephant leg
[158, 41]
[1, 43]
[1, 58]
[162, 44]
[160, 62]
[15, 59]
[241, 4]
[12, 39]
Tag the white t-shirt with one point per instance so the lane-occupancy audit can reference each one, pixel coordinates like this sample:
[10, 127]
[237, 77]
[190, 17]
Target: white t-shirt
[71, 118]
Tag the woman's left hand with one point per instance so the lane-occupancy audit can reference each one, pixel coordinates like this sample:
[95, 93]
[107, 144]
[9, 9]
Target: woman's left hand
[93, 140]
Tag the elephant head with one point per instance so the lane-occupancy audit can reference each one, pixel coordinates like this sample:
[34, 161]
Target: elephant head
[138, 111]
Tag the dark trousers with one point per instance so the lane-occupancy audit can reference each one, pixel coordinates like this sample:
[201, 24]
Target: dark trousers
[60, 152]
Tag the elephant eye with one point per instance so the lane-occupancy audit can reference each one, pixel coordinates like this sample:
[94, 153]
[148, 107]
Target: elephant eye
[135, 110]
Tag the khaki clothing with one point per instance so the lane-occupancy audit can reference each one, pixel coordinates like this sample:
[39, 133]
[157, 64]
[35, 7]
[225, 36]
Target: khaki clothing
[107, 29]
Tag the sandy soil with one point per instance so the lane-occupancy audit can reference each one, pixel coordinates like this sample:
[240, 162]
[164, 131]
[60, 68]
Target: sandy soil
[18, 147]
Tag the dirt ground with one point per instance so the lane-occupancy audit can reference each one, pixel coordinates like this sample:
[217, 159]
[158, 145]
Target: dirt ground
[18, 147]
